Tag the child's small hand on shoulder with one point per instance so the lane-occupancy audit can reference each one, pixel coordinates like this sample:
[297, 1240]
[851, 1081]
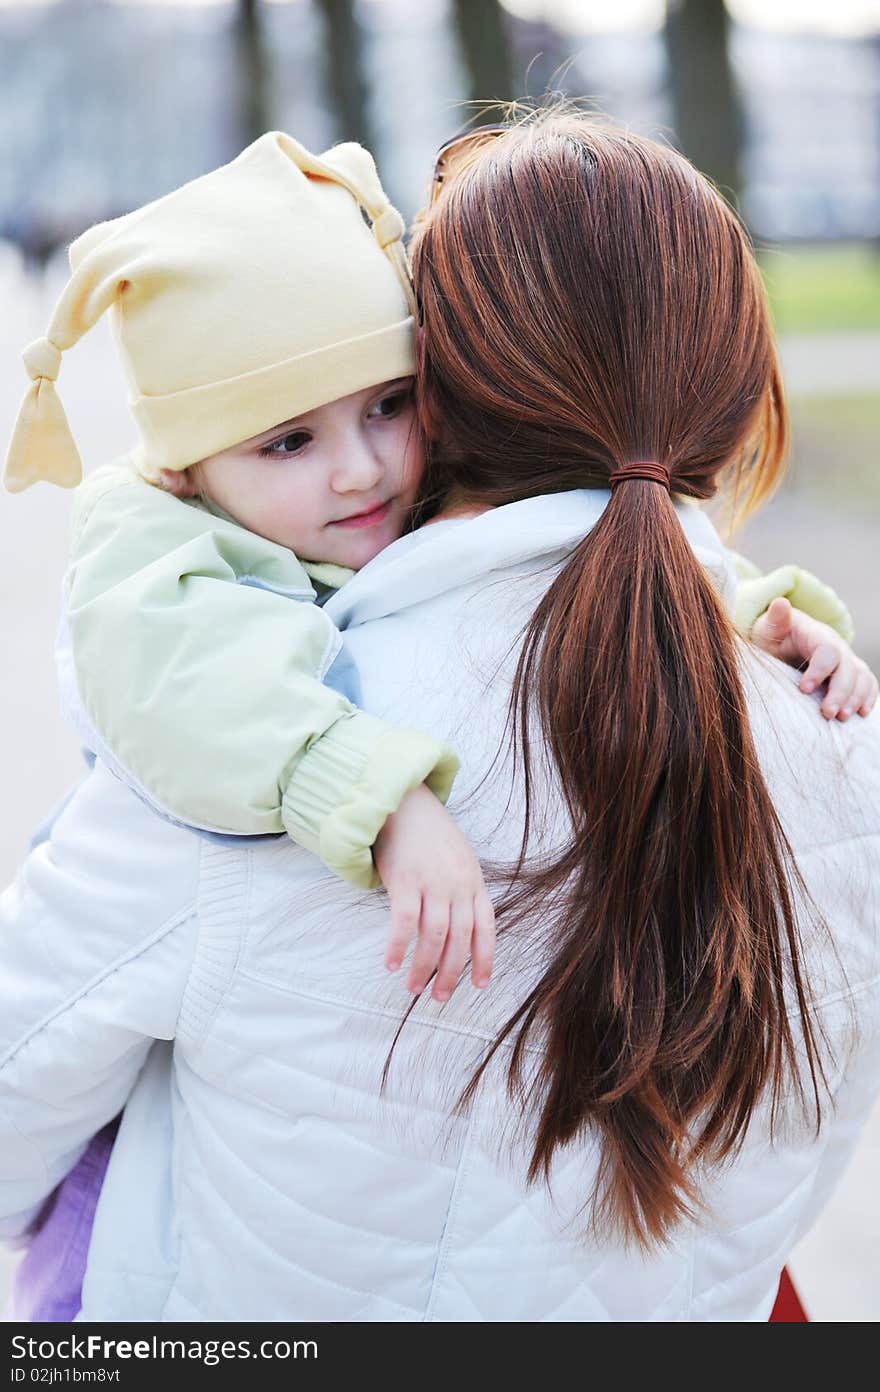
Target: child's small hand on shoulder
[800, 640]
[437, 894]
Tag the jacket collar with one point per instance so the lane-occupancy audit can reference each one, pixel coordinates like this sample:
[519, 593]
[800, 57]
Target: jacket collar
[532, 533]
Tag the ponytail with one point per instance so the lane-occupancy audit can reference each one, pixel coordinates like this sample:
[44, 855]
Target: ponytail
[662, 1006]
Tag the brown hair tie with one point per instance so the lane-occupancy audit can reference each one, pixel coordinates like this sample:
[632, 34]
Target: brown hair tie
[642, 469]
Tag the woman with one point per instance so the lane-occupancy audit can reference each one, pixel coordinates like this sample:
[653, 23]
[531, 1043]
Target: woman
[637, 1129]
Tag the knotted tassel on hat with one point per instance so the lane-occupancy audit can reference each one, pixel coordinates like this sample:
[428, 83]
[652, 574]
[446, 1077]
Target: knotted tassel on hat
[354, 167]
[42, 446]
[389, 229]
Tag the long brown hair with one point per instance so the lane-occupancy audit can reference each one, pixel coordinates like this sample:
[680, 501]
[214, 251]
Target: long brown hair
[589, 300]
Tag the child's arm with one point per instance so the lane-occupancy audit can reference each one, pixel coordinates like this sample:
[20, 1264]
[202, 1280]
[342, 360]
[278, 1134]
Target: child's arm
[439, 898]
[198, 657]
[201, 677]
[802, 641]
[794, 616]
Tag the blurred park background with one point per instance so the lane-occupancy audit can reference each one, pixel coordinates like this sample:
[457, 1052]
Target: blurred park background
[105, 104]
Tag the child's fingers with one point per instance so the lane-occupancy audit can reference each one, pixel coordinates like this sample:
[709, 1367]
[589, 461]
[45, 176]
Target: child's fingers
[483, 940]
[772, 631]
[457, 949]
[863, 694]
[406, 911]
[840, 687]
[433, 931]
[870, 699]
[778, 619]
[822, 663]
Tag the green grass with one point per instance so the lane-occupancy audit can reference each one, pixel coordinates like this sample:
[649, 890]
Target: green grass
[819, 289]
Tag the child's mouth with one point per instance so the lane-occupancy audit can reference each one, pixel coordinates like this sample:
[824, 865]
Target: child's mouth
[372, 518]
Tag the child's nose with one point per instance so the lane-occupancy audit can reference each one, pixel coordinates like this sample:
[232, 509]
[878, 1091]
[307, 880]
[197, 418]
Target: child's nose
[357, 467]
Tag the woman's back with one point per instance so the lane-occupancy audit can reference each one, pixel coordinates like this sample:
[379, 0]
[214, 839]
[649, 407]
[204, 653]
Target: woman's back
[294, 1190]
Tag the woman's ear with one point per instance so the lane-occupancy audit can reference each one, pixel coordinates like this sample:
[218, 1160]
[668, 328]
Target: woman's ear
[181, 482]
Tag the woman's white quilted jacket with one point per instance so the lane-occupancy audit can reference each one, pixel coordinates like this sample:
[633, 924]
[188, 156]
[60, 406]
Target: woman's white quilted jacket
[234, 994]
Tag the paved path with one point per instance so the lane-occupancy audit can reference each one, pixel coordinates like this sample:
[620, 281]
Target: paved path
[831, 364]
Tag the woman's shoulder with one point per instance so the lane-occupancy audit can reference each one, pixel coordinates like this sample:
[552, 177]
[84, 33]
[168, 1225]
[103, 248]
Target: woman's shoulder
[824, 780]
[802, 753]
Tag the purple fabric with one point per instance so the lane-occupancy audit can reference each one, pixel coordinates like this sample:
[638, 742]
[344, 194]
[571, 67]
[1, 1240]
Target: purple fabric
[48, 1282]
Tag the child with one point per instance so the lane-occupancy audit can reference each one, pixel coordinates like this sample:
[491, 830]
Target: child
[256, 293]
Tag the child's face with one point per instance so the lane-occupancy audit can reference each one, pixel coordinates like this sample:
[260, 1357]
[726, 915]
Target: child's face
[335, 484]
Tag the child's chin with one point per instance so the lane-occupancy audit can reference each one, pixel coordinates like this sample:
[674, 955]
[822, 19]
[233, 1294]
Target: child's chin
[366, 549]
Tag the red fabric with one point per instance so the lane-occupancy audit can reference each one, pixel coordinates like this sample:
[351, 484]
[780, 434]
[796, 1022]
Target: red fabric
[788, 1308]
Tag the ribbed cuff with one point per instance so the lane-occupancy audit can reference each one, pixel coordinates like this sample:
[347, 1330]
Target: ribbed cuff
[347, 784]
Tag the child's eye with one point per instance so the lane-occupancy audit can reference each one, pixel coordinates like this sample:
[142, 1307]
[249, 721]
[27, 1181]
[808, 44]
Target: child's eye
[286, 444]
[387, 407]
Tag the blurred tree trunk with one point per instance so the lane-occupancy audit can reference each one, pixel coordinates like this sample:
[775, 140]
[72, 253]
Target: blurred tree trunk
[253, 70]
[706, 111]
[345, 83]
[485, 48]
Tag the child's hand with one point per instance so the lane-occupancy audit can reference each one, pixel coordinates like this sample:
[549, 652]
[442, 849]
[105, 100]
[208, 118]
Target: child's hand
[794, 637]
[437, 891]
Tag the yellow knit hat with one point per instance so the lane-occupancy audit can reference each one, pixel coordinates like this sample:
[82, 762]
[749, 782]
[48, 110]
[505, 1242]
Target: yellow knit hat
[240, 300]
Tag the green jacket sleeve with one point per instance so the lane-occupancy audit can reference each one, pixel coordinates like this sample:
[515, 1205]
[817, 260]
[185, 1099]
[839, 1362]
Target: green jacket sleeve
[207, 687]
[756, 592]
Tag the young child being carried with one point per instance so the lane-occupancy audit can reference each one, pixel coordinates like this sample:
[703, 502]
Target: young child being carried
[267, 334]
[265, 318]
